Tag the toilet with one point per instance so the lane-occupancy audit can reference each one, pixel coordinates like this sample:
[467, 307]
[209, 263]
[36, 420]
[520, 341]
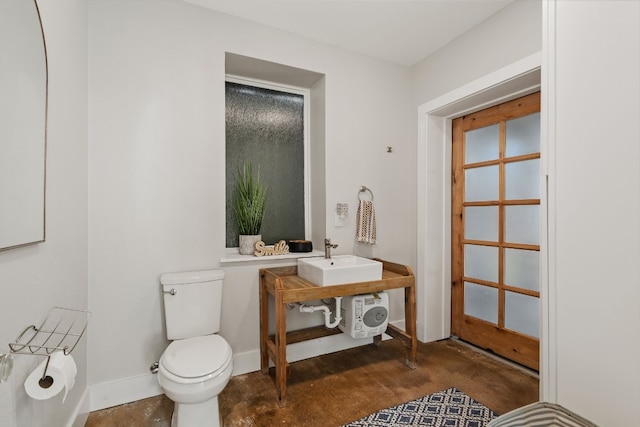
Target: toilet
[197, 365]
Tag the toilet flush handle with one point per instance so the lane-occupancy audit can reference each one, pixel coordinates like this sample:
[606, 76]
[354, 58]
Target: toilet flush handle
[171, 292]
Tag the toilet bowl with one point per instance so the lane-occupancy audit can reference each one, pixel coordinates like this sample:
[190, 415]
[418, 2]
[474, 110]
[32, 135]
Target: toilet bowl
[192, 372]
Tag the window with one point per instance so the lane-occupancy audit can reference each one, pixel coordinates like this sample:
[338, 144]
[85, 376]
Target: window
[266, 126]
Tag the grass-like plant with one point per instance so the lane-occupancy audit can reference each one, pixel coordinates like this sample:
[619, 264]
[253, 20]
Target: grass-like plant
[249, 200]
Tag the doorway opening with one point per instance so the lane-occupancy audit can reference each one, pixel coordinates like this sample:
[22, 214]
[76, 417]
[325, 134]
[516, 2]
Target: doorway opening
[433, 264]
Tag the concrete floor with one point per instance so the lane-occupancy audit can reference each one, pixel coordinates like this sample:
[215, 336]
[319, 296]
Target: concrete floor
[337, 388]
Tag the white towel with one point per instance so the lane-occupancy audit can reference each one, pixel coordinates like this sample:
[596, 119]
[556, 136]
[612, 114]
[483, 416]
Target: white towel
[366, 222]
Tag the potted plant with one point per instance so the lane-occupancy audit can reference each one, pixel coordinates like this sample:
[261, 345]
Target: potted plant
[248, 205]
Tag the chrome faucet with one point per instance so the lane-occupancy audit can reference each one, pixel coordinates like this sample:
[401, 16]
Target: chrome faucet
[327, 248]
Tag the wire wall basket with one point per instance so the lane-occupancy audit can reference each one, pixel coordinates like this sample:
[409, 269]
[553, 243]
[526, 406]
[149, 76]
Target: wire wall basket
[61, 330]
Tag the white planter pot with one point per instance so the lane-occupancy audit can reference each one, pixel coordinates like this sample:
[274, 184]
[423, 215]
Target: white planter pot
[246, 243]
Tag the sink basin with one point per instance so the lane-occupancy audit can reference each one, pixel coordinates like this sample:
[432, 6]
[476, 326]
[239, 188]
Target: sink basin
[339, 269]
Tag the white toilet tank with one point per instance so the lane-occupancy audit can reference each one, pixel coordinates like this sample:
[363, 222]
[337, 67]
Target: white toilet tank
[192, 303]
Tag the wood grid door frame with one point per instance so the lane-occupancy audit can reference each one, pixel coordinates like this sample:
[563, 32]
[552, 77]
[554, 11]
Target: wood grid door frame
[433, 263]
[496, 337]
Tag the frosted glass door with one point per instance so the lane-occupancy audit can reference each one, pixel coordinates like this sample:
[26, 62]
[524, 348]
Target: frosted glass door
[496, 229]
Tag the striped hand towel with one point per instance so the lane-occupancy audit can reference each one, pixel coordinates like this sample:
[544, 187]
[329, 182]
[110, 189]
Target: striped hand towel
[366, 222]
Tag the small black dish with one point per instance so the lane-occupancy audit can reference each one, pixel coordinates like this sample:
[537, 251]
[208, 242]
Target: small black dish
[300, 246]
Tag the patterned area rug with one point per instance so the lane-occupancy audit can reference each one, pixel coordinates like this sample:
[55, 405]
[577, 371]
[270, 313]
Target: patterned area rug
[448, 408]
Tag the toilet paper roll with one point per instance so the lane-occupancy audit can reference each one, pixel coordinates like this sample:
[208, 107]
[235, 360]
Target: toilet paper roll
[61, 374]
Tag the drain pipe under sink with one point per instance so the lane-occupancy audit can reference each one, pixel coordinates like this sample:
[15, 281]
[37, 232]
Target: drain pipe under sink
[327, 312]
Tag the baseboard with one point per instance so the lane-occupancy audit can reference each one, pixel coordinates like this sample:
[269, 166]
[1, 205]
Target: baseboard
[125, 390]
[249, 361]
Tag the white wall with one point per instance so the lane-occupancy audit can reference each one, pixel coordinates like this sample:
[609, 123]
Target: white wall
[53, 273]
[156, 166]
[510, 35]
[594, 106]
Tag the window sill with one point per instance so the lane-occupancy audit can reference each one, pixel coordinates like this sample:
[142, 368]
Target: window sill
[234, 257]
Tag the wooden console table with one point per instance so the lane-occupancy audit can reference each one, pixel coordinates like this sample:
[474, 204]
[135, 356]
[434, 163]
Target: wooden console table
[284, 284]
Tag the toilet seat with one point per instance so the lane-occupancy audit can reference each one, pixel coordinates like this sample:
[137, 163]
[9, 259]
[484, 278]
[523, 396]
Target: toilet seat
[196, 359]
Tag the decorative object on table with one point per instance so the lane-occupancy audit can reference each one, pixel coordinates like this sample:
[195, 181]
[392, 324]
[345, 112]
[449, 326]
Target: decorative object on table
[449, 407]
[300, 246]
[365, 219]
[248, 204]
[279, 248]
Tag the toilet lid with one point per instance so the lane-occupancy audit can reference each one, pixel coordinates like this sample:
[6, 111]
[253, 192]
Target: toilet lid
[196, 357]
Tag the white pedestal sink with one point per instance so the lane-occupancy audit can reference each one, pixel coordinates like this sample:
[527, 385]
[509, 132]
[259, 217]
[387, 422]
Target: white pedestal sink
[339, 269]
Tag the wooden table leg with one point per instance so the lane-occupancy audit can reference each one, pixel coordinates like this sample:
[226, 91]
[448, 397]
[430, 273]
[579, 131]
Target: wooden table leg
[377, 340]
[264, 327]
[410, 325]
[281, 349]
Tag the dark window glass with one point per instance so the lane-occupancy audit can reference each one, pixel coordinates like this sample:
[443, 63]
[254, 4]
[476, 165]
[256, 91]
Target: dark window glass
[266, 128]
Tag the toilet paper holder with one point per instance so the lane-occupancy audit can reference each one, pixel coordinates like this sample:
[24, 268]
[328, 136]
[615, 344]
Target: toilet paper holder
[60, 331]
